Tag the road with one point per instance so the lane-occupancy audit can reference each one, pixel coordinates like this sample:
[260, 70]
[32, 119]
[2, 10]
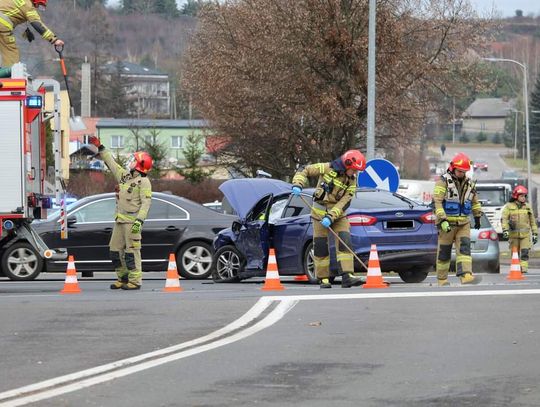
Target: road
[407, 345]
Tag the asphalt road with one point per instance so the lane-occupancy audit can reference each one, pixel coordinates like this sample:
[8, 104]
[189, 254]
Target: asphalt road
[407, 345]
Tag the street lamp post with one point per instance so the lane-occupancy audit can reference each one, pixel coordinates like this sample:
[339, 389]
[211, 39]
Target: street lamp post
[526, 103]
[516, 129]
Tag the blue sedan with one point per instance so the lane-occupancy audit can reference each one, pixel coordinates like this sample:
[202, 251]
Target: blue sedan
[403, 231]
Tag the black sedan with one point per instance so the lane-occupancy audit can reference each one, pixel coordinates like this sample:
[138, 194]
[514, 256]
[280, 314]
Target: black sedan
[174, 225]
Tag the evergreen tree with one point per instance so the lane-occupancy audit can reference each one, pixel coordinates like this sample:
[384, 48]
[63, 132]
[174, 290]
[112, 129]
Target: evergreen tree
[192, 7]
[166, 8]
[193, 152]
[116, 102]
[534, 121]
[158, 152]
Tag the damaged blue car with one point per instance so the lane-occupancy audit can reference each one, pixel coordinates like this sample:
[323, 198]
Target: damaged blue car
[403, 230]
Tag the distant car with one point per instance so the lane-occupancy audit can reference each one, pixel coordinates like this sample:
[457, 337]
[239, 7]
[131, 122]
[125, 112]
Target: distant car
[174, 225]
[480, 165]
[484, 248]
[403, 230]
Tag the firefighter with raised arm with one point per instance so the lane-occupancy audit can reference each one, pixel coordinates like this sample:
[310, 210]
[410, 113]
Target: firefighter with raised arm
[133, 199]
[517, 223]
[336, 186]
[13, 13]
[455, 198]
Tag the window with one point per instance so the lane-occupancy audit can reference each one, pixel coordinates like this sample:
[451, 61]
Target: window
[176, 141]
[297, 207]
[164, 210]
[98, 211]
[117, 141]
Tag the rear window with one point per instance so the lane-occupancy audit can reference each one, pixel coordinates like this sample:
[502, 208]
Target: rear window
[369, 199]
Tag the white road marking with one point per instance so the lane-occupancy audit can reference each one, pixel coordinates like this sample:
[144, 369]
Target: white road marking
[86, 378]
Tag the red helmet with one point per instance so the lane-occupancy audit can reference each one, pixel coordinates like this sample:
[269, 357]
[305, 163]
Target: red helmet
[519, 190]
[38, 3]
[354, 159]
[141, 161]
[460, 162]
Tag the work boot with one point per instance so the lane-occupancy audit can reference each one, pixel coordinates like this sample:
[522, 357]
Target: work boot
[325, 283]
[443, 283]
[349, 280]
[118, 284]
[468, 278]
[131, 286]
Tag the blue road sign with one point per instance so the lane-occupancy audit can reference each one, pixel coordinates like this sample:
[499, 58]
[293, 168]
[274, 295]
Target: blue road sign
[379, 173]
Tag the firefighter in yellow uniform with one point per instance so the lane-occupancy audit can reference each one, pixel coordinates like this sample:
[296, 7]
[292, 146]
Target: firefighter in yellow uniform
[336, 186]
[517, 223]
[133, 199]
[13, 13]
[455, 198]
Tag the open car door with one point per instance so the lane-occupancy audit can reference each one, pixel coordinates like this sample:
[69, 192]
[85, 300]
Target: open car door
[253, 238]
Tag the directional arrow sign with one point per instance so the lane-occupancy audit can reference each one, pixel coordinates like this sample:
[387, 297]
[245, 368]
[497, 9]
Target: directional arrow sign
[381, 174]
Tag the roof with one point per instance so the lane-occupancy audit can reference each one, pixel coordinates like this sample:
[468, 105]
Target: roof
[90, 123]
[490, 107]
[129, 68]
[149, 123]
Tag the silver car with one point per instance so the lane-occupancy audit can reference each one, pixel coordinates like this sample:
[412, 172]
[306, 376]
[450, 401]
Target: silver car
[484, 248]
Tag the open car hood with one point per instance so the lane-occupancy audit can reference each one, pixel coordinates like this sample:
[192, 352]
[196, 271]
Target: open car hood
[244, 193]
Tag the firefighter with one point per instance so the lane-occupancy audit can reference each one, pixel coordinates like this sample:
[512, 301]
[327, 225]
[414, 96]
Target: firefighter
[13, 13]
[133, 199]
[336, 187]
[455, 198]
[517, 223]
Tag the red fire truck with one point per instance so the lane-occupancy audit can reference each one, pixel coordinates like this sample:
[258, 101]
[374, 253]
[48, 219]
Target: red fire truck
[23, 122]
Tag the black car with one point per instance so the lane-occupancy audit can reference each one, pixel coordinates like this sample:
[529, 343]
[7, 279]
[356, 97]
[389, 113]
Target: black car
[174, 225]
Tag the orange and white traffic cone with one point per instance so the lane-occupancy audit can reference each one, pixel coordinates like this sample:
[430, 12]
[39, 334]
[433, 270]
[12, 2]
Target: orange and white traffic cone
[272, 282]
[71, 285]
[302, 277]
[515, 267]
[374, 276]
[172, 284]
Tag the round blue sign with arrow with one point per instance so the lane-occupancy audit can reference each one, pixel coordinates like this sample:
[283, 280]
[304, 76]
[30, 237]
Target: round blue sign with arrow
[381, 174]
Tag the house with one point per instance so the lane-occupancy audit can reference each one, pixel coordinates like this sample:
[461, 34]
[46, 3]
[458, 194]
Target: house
[149, 87]
[125, 136]
[487, 115]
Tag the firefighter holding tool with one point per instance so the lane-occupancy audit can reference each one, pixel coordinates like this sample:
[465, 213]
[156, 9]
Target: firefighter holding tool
[133, 199]
[455, 198]
[336, 186]
[13, 13]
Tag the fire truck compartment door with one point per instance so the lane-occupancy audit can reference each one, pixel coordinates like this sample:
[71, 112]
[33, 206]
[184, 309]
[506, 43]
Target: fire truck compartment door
[11, 146]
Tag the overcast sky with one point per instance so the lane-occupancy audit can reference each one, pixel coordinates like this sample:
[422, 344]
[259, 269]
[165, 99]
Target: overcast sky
[508, 7]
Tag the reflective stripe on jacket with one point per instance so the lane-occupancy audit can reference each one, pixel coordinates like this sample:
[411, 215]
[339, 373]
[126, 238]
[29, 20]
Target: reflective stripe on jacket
[518, 220]
[455, 199]
[21, 11]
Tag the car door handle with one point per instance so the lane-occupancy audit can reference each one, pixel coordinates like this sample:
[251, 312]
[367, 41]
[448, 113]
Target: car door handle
[171, 229]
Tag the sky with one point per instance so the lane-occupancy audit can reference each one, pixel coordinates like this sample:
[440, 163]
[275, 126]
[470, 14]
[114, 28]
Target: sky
[508, 7]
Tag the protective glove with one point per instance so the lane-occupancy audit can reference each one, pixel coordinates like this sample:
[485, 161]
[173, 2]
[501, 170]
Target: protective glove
[326, 222]
[445, 226]
[535, 238]
[506, 234]
[477, 223]
[137, 226]
[296, 190]
[28, 35]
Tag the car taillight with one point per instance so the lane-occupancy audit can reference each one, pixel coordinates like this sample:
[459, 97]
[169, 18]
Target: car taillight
[361, 220]
[428, 217]
[488, 234]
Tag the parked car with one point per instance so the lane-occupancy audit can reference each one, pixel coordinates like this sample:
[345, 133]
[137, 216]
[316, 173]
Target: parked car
[403, 230]
[174, 225]
[484, 248]
[480, 165]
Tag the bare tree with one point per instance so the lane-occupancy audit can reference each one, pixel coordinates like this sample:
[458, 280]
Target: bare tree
[287, 81]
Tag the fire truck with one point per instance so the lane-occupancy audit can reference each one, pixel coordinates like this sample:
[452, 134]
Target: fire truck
[23, 121]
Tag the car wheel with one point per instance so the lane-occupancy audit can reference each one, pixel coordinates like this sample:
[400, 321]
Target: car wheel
[309, 264]
[21, 262]
[414, 275]
[195, 260]
[228, 264]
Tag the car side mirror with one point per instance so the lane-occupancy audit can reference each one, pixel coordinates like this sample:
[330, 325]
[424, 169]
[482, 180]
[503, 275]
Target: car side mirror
[236, 226]
[71, 220]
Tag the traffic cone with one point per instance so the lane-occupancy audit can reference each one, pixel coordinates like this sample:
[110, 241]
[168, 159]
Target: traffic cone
[71, 285]
[303, 277]
[172, 284]
[515, 267]
[374, 276]
[271, 282]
